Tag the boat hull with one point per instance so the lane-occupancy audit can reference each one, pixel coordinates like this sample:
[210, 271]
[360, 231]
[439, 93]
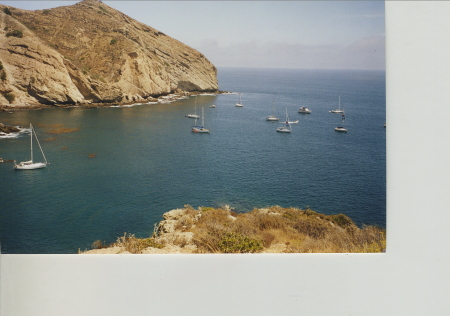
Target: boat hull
[341, 129]
[200, 130]
[304, 110]
[272, 118]
[30, 166]
[283, 130]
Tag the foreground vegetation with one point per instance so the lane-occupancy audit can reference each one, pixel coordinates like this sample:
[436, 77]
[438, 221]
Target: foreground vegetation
[269, 230]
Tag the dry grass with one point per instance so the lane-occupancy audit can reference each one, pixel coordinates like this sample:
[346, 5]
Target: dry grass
[300, 230]
[272, 229]
[135, 245]
[98, 244]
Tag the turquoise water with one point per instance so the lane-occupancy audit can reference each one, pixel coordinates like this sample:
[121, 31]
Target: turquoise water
[147, 161]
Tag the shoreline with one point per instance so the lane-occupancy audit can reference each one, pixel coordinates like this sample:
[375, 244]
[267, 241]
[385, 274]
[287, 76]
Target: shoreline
[168, 98]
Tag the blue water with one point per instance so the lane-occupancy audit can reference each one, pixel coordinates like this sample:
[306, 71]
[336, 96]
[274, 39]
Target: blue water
[147, 161]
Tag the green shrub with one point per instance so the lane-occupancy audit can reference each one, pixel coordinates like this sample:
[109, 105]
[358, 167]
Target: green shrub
[237, 243]
[10, 97]
[15, 33]
[113, 41]
[7, 11]
[3, 75]
[46, 11]
[310, 212]
[295, 214]
[342, 220]
[136, 245]
[31, 27]
[1, 65]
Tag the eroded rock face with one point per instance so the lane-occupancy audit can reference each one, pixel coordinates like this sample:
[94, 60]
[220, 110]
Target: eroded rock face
[90, 52]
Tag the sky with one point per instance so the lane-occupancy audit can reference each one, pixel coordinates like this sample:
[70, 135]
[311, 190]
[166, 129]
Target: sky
[268, 34]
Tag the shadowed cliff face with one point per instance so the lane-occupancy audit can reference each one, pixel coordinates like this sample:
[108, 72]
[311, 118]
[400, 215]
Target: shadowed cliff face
[90, 52]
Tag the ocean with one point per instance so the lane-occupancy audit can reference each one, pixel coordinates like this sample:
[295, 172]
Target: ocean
[118, 169]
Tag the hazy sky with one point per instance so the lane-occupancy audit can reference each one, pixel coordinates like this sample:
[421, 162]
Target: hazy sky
[275, 34]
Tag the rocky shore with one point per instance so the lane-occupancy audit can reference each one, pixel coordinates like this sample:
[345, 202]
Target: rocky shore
[265, 230]
[4, 129]
[86, 105]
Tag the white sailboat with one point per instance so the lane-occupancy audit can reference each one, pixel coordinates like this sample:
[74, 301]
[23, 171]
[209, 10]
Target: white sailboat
[30, 164]
[287, 127]
[339, 109]
[272, 117]
[194, 115]
[200, 129]
[239, 104]
[341, 128]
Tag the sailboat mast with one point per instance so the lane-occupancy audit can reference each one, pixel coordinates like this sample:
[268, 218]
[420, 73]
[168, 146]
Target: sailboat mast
[287, 120]
[203, 118]
[31, 137]
[195, 105]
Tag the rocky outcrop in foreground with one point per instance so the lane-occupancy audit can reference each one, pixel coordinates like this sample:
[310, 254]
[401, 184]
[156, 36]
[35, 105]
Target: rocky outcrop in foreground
[92, 53]
[266, 230]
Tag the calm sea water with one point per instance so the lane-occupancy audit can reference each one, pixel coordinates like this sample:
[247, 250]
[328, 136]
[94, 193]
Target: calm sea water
[147, 161]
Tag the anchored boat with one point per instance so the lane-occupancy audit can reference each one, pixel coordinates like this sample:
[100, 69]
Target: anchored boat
[30, 164]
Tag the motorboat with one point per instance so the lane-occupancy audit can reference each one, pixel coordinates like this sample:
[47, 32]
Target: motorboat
[304, 110]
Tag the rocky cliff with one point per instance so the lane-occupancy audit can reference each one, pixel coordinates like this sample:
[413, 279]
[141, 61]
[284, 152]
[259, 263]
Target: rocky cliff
[92, 53]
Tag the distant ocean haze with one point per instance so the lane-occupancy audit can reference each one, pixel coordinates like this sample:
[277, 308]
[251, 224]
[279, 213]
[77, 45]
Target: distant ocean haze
[116, 170]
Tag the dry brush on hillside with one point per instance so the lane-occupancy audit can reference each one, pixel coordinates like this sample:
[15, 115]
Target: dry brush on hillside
[267, 230]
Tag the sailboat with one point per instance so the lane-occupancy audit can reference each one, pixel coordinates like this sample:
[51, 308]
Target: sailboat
[287, 127]
[341, 128]
[272, 117]
[200, 129]
[28, 165]
[194, 115]
[239, 104]
[339, 109]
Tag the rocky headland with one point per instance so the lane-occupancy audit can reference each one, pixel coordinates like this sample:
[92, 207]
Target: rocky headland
[265, 230]
[90, 53]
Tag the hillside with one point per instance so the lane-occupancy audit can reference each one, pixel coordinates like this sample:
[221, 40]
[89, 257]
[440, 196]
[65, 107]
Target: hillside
[266, 230]
[92, 53]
